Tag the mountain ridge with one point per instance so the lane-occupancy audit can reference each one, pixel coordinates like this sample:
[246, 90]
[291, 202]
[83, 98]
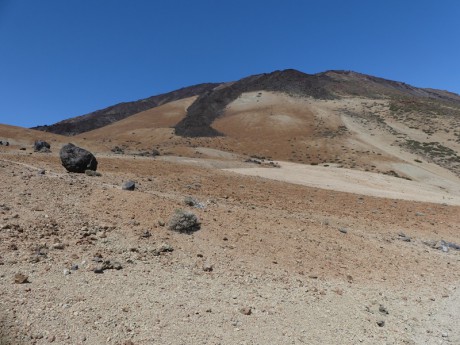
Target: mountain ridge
[214, 97]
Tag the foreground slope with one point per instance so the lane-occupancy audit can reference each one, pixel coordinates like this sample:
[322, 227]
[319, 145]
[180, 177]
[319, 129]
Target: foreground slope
[272, 263]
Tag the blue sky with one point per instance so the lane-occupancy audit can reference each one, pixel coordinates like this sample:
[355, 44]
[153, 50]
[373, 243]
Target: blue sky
[63, 58]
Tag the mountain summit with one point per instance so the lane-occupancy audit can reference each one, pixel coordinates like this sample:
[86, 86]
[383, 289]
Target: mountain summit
[213, 98]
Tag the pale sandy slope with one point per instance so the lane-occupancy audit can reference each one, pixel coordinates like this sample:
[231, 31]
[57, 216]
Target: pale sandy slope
[359, 182]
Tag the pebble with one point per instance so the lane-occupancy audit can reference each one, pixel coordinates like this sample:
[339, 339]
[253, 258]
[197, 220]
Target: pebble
[128, 185]
[383, 310]
[66, 272]
[207, 267]
[99, 269]
[381, 323]
[246, 311]
[343, 230]
[20, 278]
[59, 246]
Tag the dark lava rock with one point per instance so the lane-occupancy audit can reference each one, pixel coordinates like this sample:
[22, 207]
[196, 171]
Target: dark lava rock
[128, 185]
[78, 160]
[41, 146]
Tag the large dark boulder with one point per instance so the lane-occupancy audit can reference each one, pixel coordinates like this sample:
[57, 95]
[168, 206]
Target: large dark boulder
[41, 146]
[76, 159]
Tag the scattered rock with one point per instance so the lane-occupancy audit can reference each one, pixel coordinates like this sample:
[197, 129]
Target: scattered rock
[442, 245]
[99, 269]
[106, 265]
[207, 267]
[66, 272]
[76, 159]
[20, 278]
[383, 310]
[128, 185]
[343, 230]
[41, 146]
[59, 246]
[404, 237]
[164, 248]
[118, 150]
[146, 234]
[246, 311]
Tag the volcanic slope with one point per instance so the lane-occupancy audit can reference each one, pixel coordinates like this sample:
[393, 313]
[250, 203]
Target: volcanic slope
[106, 116]
[355, 133]
[273, 262]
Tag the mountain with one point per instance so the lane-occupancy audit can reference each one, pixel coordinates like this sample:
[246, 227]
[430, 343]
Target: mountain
[214, 97]
[327, 85]
[106, 116]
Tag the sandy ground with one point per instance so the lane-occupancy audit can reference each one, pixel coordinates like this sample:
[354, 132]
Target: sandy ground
[360, 182]
[300, 254]
[291, 264]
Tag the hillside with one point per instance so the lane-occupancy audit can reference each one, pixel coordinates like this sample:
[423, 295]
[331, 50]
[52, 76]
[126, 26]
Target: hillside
[213, 98]
[299, 254]
[328, 209]
[106, 116]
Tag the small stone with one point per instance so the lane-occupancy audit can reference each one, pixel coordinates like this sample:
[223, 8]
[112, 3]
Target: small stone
[51, 338]
[445, 335]
[383, 310]
[207, 267]
[20, 278]
[66, 272]
[58, 246]
[146, 234]
[41, 172]
[246, 311]
[99, 269]
[74, 267]
[381, 323]
[343, 230]
[128, 185]
[117, 266]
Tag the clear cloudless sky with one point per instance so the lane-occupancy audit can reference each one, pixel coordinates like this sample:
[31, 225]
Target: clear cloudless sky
[63, 58]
